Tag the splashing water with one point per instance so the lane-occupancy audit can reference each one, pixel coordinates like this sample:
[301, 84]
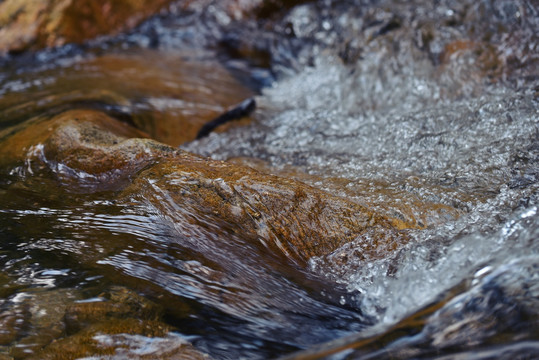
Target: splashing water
[395, 129]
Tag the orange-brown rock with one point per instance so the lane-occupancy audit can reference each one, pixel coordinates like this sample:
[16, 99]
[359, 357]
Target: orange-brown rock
[165, 95]
[11, 325]
[117, 303]
[38, 320]
[125, 338]
[33, 24]
[379, 196]
[121, 324]
[241, 9]
[89, 149]
[284, 215]
[484, 55]
[74, 145]
[84, 126]
[80, 149]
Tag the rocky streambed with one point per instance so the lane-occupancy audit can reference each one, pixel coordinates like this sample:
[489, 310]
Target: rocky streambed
[380, 202]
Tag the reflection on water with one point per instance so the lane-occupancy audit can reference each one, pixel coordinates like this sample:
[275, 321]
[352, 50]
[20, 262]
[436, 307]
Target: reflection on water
[424, 113]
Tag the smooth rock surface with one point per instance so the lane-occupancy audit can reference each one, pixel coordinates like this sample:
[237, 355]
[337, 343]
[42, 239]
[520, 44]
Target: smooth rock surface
[168, 95]
[31, 24]
[93, 152]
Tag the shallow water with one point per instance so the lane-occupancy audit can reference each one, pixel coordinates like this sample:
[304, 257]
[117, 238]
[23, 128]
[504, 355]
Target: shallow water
[424, 113]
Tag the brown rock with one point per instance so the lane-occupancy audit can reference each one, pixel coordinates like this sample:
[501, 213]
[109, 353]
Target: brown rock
[76, 147]
[11, 324]
[80, 149]
[38, 320]
[123, 324]
[484, 56]
[16, 142]
[163, 93]
[387, 200]
[287, 216]
[34, 24]
[117, 303]
[90, 150]
[124, 337]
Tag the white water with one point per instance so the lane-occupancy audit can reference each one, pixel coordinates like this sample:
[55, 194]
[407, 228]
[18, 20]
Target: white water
[465, 145]
[426, 134]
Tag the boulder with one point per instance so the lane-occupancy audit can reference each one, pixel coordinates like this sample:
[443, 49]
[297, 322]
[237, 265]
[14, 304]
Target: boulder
[34, 24]
[90, 151]
[169, 95]
[116, 303]
[283, 215]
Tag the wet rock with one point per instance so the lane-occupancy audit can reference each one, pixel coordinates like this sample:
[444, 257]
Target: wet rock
[285, 215]
[125, 338]
[53, 143]
[7, 286]
[123, 323]
[247, 9]
[117, 303]
[31, 24]
[168, 95]
[16, 142]
[119, 322]
[91, 151]
[79, 150]
[83, 314]
[11, 325]
[401, 202]
[33, 319]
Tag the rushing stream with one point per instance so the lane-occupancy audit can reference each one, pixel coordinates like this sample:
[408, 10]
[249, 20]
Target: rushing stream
[380, 203]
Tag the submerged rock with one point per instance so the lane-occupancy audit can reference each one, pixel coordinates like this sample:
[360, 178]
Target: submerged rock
[285, 215]
[168, 95]
[117, 303]
[31, 24]
[72, 145]
[33, 319]
[124, 339]
[120, 323]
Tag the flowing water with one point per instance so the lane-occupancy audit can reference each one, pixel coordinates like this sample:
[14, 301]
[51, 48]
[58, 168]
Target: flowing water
[424, 113]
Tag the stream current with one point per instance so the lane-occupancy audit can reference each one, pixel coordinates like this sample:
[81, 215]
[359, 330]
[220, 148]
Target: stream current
[427, 113]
